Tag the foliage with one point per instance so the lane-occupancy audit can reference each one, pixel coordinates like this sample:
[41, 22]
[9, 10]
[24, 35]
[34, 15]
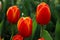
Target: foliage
[28, 7]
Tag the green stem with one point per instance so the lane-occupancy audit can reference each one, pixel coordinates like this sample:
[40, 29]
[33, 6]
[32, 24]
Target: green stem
[12, 31]
[41, 30]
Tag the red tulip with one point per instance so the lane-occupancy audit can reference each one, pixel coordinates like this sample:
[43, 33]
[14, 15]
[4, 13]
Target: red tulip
[25, 26]
[13, 14]
[41, 39]
[43, 14]
[17, 37]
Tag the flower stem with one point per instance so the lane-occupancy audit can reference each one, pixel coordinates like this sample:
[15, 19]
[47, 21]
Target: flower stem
[41, 30]
[12, 31]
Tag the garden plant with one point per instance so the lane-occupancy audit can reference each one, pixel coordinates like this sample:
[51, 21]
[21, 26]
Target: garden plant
[29, 19]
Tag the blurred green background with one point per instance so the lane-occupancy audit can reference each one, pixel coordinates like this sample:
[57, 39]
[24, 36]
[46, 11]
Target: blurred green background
[28, 7]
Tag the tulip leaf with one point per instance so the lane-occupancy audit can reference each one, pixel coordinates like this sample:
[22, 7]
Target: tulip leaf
[58, 7]
[46, 35]
[34, 28]
[1, 24]
[57, 30]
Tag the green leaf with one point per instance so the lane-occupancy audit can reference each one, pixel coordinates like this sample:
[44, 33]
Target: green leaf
[1, 24]
[46, 35]
[34, 28]
[57, 30]
[4, 5]
[58, 7]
